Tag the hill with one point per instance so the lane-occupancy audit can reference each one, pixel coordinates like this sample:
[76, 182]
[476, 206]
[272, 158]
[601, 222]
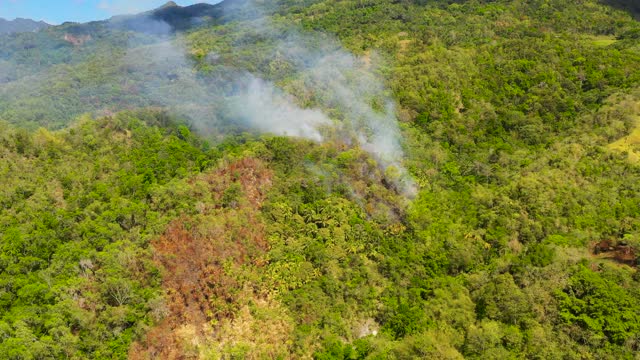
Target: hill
[324, 179]
[21, 25]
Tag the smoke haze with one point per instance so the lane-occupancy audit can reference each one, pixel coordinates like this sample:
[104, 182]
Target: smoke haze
[331, 92]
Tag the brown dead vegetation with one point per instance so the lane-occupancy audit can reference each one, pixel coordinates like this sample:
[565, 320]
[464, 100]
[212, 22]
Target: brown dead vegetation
[77, 40]
[195, 255]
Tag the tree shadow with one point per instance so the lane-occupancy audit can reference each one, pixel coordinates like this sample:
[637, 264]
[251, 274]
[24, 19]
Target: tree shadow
[631, 6]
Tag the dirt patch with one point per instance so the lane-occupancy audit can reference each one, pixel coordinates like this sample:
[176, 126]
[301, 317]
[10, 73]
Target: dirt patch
[619, 252]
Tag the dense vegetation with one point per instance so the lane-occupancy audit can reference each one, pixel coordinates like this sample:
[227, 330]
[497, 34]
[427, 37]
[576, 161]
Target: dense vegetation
[134, 235]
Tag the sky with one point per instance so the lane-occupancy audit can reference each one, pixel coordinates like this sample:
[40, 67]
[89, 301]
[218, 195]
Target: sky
[59, 11]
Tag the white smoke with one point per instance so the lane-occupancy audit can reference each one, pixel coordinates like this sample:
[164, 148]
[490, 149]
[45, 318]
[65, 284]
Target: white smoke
[269, 109]
[346, 94]
[248, 100]
[347, 87]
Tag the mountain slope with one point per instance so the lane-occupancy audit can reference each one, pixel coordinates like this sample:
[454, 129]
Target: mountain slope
[132, 236]
[36, 68]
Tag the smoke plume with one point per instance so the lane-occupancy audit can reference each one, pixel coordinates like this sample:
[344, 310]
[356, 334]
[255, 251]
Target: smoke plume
[341, 92]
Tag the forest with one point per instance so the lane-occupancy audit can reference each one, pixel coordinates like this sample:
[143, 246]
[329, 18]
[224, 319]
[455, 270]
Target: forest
[437, 179]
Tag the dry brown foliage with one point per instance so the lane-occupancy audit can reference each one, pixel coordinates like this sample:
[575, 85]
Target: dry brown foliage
[195, 254]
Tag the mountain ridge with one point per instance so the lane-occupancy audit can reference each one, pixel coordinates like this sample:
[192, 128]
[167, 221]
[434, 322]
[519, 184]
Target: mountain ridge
[18, 25]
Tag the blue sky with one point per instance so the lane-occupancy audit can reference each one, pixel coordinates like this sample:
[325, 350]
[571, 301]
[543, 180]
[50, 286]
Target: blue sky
[59, 11]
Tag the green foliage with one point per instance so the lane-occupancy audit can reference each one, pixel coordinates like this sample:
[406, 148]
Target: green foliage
[79, 208]
[516, 117]
[599, 305]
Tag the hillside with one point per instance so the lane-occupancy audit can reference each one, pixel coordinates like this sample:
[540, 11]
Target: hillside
[21, 25]
[324, 179]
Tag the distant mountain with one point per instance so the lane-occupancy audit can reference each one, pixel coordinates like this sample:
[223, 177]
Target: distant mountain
[72, 48]
[172, 17]
[21, 25]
